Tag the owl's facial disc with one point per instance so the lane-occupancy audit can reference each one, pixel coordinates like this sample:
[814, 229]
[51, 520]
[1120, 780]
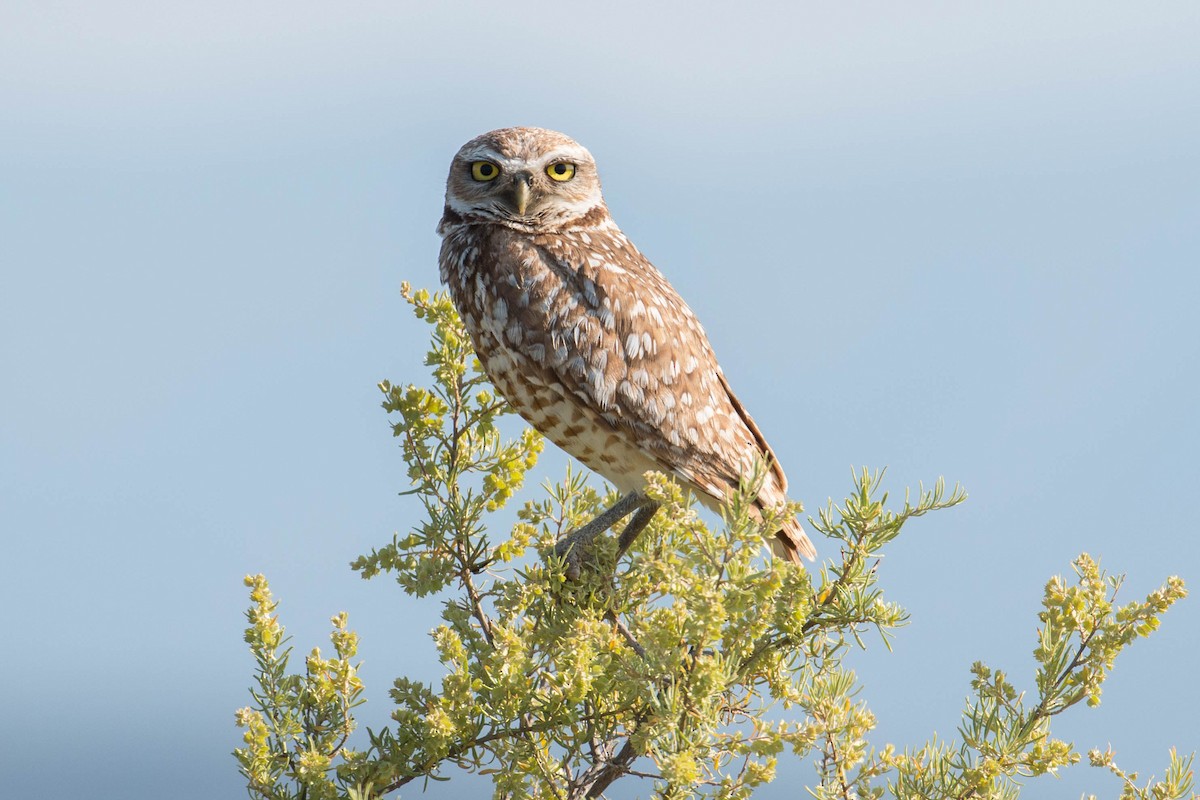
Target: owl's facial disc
[529, 177]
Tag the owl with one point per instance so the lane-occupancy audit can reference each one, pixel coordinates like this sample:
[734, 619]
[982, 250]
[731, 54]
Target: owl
[586, 339]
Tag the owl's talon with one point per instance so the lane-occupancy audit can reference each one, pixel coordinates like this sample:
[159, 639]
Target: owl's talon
[570, 548]
[573, 571]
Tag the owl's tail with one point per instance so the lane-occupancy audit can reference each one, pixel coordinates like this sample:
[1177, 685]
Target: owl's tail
[792, 542]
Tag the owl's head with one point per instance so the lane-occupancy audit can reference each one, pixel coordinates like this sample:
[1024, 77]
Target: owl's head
[528, 178]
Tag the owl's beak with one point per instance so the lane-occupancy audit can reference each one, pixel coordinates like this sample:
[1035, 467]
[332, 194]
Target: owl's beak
[520, 194]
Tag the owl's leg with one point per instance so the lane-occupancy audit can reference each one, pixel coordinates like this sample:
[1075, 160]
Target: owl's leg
[641, 518]
[571, 547]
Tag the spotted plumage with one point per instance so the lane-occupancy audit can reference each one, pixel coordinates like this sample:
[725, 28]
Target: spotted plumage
[580, 332]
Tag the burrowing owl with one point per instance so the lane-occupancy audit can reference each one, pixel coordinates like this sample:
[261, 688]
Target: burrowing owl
[584, 337]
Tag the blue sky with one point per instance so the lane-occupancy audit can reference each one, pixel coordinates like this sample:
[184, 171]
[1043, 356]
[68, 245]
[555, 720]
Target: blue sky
[950, 239]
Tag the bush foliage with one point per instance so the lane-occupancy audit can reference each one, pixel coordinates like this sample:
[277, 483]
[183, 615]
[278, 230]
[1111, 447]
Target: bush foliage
[693, 665]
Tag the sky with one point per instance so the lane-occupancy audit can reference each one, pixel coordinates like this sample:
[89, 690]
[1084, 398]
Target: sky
[954, 240]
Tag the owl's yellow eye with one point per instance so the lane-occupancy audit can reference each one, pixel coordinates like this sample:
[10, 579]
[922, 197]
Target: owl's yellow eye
[562, 171]
[484, 170]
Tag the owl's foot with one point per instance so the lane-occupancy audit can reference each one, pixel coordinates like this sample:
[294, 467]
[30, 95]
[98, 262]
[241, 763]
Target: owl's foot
[571, 547]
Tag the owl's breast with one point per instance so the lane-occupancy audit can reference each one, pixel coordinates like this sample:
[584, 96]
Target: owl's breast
[545, 335]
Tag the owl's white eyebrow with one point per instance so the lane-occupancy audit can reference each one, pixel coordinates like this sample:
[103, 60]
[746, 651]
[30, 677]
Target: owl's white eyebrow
[558, 154]
[565, 154]
[483, 153]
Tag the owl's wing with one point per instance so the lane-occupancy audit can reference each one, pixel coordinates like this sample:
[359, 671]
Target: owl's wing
[604, 324]
[760, 440]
